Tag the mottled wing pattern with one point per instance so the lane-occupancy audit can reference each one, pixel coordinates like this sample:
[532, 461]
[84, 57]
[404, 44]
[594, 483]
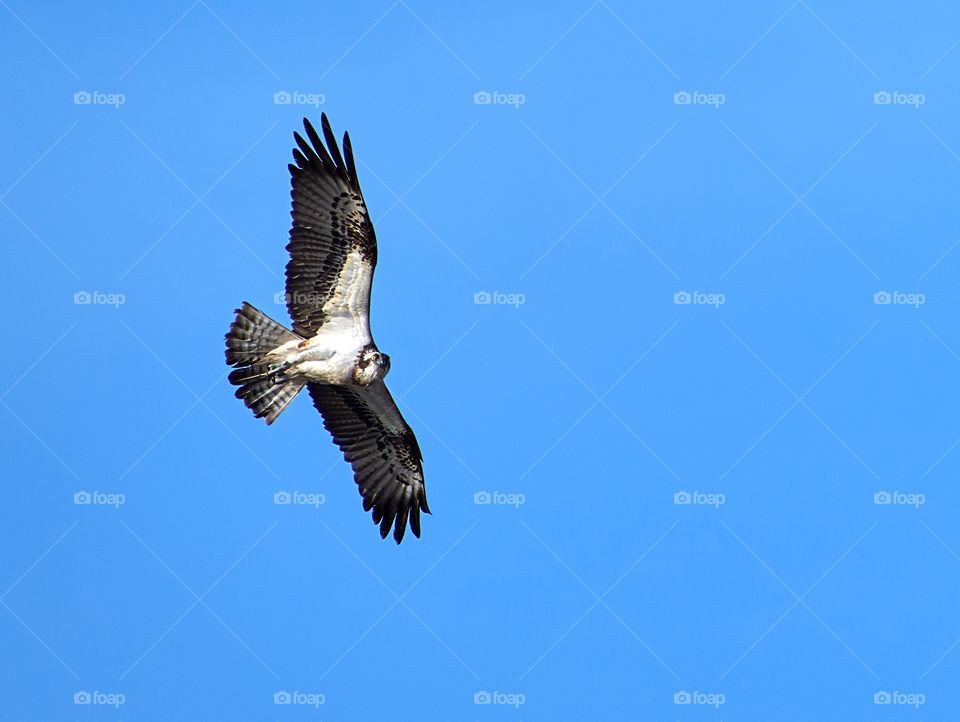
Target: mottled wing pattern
[333, 249]
[367, 426]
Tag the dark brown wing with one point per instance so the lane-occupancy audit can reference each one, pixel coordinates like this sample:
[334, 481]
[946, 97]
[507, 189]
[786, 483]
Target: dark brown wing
[367, 426]
[333, 249]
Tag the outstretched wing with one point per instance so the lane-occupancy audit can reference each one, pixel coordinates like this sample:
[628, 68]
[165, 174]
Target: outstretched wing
[367, 426]
[333, 249]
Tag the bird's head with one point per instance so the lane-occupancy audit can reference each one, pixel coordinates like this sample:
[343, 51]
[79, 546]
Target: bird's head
[371, 366]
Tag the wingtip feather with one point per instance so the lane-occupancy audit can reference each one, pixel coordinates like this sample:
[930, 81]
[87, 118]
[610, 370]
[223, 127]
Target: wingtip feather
[348, 154]
[318, 145]
[332, 143]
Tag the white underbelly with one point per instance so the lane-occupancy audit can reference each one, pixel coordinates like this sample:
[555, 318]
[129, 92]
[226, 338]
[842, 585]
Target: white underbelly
[338, 369]
[328, 359]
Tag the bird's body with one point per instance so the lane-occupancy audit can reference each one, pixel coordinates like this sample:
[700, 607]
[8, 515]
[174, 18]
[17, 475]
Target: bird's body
[331, 356]
[333, 253]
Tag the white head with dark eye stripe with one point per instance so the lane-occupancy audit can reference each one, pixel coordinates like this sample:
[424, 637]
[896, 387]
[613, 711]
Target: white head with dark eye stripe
[371, 366]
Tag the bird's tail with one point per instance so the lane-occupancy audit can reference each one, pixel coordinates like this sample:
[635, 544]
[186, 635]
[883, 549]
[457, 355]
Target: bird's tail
[251, 337]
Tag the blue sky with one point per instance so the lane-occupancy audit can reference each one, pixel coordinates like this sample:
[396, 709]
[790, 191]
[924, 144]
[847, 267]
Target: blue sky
[711, 403]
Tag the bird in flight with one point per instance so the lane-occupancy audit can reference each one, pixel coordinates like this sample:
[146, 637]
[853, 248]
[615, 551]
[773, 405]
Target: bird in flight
[333, 252]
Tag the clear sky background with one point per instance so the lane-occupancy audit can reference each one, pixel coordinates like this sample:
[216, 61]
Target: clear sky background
[781, 399]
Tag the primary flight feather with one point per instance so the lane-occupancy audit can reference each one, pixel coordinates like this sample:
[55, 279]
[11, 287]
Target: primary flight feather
[333, 253]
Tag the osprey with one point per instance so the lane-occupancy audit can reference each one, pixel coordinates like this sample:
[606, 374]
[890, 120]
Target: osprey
[333, 251]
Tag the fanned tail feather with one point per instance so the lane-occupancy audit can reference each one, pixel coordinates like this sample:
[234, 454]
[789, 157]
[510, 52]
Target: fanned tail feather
[252, 336]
